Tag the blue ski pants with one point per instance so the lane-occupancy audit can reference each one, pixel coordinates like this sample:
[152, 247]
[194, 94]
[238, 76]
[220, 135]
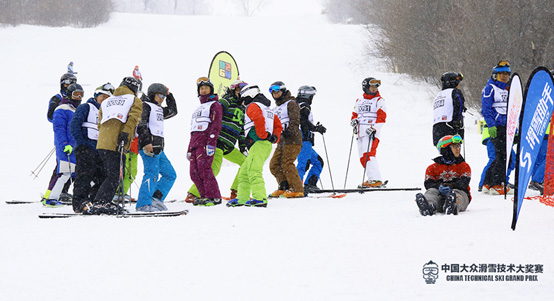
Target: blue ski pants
[153, 167]
[307, 157]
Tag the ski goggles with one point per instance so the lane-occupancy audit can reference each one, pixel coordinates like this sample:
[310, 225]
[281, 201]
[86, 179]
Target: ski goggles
[161, 95]
[375, 82]
[503, 63]
[276, 88]
[447, 140]
[237, 84]
[203, 81]
[69, 81]
[77, 94]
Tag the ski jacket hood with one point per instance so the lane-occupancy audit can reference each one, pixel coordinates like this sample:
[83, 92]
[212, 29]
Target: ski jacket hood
[207, 98]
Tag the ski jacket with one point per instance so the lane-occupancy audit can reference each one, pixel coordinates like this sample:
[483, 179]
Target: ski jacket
[494, 103]
[456, 174]
[232, 122]
[370, 111]
[144, 129]
[288, 111]
[209, 135]
[307, 125]
[53, 104]
[61, 120]
[256, 115]
[80, 126]
[110, 129]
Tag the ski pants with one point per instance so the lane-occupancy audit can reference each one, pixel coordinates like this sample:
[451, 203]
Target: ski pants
[367, 158]
[490, 154]
[496, 173]
[307, 157]
[433, 196]
[282, 166]
[65, 171]
[234, 156]
[53, 180]
[251, 180]
[202, 175]
[131, 163]
[89, 173]
[112, 166]
[153, 167]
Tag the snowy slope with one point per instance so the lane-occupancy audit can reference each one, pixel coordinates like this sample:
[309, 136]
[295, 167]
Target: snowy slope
[361, 247]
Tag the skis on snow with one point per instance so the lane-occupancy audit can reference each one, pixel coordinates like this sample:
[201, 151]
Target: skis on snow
[51, 215]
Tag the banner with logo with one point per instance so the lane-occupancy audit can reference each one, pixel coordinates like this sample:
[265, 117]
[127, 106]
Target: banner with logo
[515, 101]
[538, 104]
[223, 71]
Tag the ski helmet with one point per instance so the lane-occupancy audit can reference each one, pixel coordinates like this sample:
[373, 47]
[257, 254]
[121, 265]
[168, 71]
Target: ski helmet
[502, 66]
[249, 91]
[237, 84]
[370, 81]
[106, 88]
[306, 92]
[132, 83]
[278, 86]
[451, 79]
[204, 81]
[75, 90]
[157, 88]
[445, 141]
[67, 79]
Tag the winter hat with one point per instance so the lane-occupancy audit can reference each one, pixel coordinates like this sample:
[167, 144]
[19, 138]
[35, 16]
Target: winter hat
[157, 88]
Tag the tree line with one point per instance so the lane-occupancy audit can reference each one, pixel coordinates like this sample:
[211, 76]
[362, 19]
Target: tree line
[425, 38]
[78, 13]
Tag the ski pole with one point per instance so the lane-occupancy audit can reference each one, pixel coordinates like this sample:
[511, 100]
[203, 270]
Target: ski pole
[349, 155]
[43, 163]
[121, 175]
[369, 143]
[328, 165]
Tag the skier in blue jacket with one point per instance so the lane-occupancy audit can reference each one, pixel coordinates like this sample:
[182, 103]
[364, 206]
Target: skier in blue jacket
[64, 143]
[89, 167]
[494, 102]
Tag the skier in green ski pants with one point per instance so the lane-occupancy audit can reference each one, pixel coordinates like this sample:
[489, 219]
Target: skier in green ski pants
[263, 129]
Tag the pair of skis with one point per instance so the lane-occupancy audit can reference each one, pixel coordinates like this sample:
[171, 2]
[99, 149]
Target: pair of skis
[52, 215]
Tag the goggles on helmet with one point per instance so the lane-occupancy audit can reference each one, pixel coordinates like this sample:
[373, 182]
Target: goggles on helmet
[107, 89]
[251, 91]
[237, 84]
[276, 88]
[447, 140]
[69, 81]
[375, 82]
[203, 81]
[503, 63]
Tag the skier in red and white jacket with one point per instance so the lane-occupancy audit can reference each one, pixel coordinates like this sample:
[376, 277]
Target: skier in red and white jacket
[368, 118]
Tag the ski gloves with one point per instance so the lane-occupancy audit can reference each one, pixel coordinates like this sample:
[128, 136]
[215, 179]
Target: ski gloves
[354, 124]
[271, 138]
[320, 128]
[122, 140]
[68, 149]
[444, 190]
[286, 133]
[370, 131]
[492, 132]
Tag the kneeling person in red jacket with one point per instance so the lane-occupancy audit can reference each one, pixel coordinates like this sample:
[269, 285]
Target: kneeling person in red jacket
[446, 180]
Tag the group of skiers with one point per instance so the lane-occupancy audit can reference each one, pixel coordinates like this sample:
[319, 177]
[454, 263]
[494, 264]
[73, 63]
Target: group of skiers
[95, 142]
[447, 179]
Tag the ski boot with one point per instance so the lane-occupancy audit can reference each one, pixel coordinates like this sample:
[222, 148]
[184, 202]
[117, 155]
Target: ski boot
[235, 203]
[51, 203]
[148, 208]
[190, 198]
[450, 204]
[207, 202]
[371, 184]
[424, 207]
[233, 194]
[293, 194]
[256, 203]
[157, 203]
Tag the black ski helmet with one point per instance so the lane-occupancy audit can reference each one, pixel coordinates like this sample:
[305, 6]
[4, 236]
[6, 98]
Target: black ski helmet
[132, 83]
[278, 86]
[370, 81]
[67, 79]
[156, 88]
[75, 87]
[204, 81]
[451, 79]
[306, 92]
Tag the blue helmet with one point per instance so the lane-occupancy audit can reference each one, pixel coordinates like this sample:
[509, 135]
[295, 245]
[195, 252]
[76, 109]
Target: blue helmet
[502, 66]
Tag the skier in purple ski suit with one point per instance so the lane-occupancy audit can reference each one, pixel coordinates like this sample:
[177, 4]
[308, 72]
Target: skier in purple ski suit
[205, 128]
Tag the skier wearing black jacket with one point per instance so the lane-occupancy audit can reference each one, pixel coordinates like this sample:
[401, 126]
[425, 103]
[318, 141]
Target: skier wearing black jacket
[154, 189]
[308, 156]
[448, 108]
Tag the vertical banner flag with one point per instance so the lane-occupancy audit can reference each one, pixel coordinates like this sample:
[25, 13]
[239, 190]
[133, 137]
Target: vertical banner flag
[538, 105]
[223, 71]
[515, 100]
